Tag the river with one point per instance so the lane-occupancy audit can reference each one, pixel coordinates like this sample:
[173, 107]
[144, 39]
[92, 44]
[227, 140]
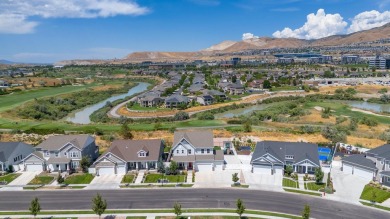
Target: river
[82, 116]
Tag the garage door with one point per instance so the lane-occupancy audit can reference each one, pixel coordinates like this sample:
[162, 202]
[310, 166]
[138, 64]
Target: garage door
[34, 167]
[218, 166]
[347, 168]
[106, 170]
[278, 170]
[262, 169]
[204, 167]
[363, 173]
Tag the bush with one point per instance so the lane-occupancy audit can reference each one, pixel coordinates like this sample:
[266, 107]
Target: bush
[369, 122]
[179, 116]
[333, 134]
[206, 116]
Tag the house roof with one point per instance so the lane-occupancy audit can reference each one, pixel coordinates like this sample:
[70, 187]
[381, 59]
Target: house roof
[58, 141]
[58, 160]
[176, 98]
[7, 148]
[382, 151]
[188, 158]
[360, 160]
[128, 150]
[198, 139]
[299, 150]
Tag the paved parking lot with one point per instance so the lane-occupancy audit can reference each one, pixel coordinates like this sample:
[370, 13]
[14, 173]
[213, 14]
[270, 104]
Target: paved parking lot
[348, 187]
[214, 179]
[107, 181]
[263, 181]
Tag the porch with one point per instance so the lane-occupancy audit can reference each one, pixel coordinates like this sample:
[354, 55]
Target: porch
[144, 165]
[385, 178]
[304, 169]
[185, 165]
[59, 165]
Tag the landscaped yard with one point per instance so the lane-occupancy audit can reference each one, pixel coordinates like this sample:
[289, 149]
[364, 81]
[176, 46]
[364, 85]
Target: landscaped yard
[128, 179]
[84, 178]
[9, 177]
[290, 183]
[381, 195]
[40, 180]
[313, 186]
[153, 178]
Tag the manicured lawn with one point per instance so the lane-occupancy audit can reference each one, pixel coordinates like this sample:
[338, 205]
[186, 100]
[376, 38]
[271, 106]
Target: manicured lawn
[376, 206]
[39, 180]
[303, 192]
[84, 178]
[153, 178]
[313, 186]
[9, 177]
[381, 195]
[240, 186]
[128, 179]
[290, 183]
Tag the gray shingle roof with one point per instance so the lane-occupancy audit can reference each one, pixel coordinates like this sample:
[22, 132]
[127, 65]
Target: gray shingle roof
[299, 150]
[199, 139]
[360, 160]
[385, 173]
[382, 151]
[58, 141]
[176, 99]
[7, 148]
[128, 149]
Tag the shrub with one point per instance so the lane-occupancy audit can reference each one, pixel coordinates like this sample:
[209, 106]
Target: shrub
[206, 116]
[179, 116]
[369, 122]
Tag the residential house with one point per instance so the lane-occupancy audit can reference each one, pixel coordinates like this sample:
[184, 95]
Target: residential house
[256, 84]
[12, 154]
[61, 153]
[235, 89]
[125, 155]
[217, 94]
[205, 99]
[195, 151]
[374, 164]
[175, 101]
[150, 100]
[272, 157]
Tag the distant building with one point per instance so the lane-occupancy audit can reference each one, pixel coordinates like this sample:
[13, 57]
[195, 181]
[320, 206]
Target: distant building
[285, 60]
[350, 59]
[235, 61]
[379, 63]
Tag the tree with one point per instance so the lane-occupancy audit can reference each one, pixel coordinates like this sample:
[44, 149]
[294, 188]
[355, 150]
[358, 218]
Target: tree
[160, 167]
[173, 168]
[240, 207]
[98, 205]
[234, 79]
[353, 124]
[235, 177]
[289, 170]
[179, 116]
[177, 209]
[125, 132]
[267, 84]
[35, 207]
[60, 179]
[319, 175]
[85, 163]
[306, 212]
[247, 126]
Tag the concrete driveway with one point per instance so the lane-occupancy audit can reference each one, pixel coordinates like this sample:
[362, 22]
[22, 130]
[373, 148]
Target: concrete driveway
[348, 187]
[106, 181]
[21, 181]
[263, 181]
[214, 179]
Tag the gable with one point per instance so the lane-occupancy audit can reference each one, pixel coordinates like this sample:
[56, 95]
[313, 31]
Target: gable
[306, 160]
[183, 144]
[68, 147]
[268, 157]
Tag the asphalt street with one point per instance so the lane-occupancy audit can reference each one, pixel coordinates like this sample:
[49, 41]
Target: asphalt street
[188, 198]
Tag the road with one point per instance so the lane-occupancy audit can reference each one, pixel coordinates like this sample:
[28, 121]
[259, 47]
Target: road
[189, 198]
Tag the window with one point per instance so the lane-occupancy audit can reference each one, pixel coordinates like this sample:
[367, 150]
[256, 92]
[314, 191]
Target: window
[74, 154]
[177, 151]
[65, 153]
[289, 157]
[47, 153]
[56, 154]
[189, 151]
[208, 151]
[202, 151]
[182, 151]
[142, 154]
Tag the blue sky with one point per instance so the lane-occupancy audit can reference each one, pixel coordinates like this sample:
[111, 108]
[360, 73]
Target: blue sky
[53, 30]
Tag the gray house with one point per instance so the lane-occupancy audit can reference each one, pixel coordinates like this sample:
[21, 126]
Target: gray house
[205, 99]
[61, 153]
[272, 157]
[150, 100]
[12, 154]
[125, 155]
[373, 164]
[174, 101]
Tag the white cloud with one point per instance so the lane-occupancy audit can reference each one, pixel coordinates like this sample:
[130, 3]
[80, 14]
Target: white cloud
[247, 36]
[368, 20]
[17, 12]
[317, 26]
[16, 24]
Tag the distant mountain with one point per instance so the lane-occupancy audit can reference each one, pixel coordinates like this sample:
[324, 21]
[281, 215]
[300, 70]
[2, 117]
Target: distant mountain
[6, 62]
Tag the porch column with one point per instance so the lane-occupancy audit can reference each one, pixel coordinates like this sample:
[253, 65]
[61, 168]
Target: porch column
[67, 167]
[2, 167]
[306, 168]
[136, 165]
[186, 166]
[155, 165]
[59, 168]
[295, 168]
[146, 165]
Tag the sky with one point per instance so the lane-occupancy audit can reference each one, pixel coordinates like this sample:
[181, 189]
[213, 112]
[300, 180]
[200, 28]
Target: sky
[46, 31]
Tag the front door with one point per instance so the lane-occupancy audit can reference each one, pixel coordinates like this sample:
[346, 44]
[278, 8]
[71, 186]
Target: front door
[190, 167]
[66, 166]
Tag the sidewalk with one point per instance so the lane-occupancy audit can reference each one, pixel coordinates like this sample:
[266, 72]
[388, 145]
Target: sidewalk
[140, 177]
[301, 182]
[189, 176]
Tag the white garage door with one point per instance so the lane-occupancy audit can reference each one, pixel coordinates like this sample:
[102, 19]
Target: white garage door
[218, 167]
[262, 169]
[121, 170]
[106, 170]
[204, 167]
[347, 168]
[363, 173]
[34, 167]
[278, 170]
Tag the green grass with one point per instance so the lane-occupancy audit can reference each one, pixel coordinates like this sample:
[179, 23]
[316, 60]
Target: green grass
[240, 186]
[84, 178]
[376, 206]
[12, 100]
[153, 178]
[290, 183]
[303, 192]
[9, 177]
[128, 179]
[313, 186]
[40, 180]
[381, 195]
[285, 88]
[140, 108]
